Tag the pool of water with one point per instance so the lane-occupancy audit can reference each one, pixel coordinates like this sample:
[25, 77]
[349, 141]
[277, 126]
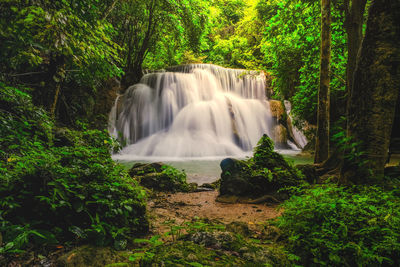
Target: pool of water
[207, 170]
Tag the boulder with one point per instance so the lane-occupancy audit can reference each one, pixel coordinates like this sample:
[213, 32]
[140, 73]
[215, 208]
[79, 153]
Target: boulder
[264, 174]
[160, 177]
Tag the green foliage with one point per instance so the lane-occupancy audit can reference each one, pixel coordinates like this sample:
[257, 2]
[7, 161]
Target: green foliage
[61, 187]
[42, 33]
[267, 172]
[176, 176]
[291, 51]
[336, 226]
[201, 243]
[273, 165]
[156, 34]
[235, 36]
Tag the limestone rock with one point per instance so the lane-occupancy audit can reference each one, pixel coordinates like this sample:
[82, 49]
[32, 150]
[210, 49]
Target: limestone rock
[277, 109]
[280, 135]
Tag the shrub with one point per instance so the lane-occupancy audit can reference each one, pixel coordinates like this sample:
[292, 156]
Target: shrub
[62, 187]
[337, 226]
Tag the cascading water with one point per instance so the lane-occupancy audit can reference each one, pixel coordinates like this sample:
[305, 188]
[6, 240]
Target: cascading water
[189, 111]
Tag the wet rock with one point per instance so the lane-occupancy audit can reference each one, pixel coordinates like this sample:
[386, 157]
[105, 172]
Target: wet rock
[161, 177]
[277, 109]
[203, 189]
[233, 180]
[281, 135]
[264, 174]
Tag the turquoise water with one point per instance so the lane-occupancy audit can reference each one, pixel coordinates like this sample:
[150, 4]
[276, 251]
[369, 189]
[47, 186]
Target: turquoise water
[207, 171]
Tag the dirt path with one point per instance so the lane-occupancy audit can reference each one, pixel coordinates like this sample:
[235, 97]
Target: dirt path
[183, 207]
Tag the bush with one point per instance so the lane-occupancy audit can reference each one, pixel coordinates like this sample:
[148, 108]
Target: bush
[265, 173]
[336, 226]
[62, 187]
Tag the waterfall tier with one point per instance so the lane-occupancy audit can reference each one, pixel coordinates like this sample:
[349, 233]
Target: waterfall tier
[197, 110]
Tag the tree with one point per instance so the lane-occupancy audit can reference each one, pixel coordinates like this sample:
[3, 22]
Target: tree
[323, 118]
[373, 96]
[45, 44]
[157, 28]
[354, 14]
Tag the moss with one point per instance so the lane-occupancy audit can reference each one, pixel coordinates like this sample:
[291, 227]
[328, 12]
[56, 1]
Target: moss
[160, 177]
[92, 256]
[265, 173]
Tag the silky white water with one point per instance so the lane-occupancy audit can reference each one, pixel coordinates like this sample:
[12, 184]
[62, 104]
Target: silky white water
[195, 111]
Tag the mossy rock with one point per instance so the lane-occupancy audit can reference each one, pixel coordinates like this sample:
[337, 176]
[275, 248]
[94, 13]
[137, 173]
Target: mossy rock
[309, 171]
[277, 109]
[265, 173]
[92, 256]
[160, 177]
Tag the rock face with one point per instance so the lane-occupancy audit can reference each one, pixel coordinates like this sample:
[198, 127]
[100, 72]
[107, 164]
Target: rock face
[277, 109]
[281, 135]
[265, 173]
[160, 177]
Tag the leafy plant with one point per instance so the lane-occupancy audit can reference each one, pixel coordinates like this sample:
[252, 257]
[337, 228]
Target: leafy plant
[62, 184]
[337, 226]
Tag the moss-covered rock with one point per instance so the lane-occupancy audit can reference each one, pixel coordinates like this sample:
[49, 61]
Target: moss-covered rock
[265, 173]
[309, 171]
[160, 177]
[92, 256]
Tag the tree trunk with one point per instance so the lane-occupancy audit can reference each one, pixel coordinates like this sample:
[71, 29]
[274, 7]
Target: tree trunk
[373, 96]
[353, 25]
[322, 140]
[55, 100]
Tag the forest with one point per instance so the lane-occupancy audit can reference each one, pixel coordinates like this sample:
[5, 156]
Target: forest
[199, 133]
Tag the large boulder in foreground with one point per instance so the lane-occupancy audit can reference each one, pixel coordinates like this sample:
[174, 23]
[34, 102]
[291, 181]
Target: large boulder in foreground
[160, 177]
[264, 174]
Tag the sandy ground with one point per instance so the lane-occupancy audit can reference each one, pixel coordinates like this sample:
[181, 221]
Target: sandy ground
[183, 207]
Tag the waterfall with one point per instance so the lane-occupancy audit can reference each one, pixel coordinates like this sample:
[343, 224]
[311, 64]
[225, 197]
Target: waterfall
[297, 135]
[197, 110]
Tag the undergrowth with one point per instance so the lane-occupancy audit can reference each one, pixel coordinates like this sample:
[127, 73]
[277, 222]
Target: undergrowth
[330, 225]
[61, 186]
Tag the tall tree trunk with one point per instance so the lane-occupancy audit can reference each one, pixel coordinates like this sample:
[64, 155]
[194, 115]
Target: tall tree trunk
[322, 140]
[373, 96]
[353, 25]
